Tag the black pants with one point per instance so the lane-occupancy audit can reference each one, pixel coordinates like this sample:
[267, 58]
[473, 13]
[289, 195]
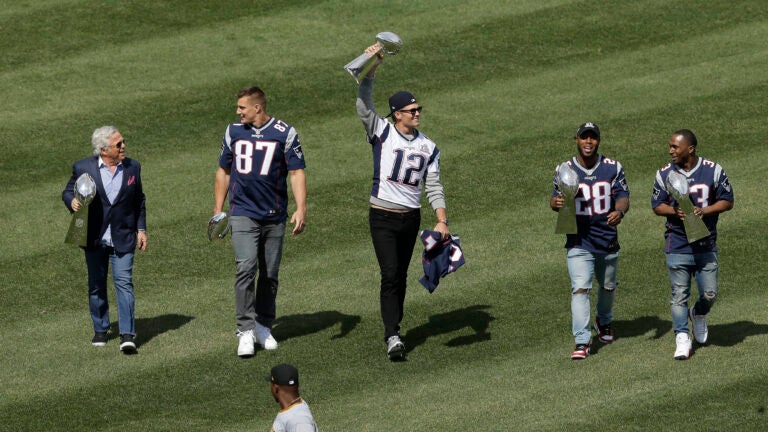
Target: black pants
[394, 236]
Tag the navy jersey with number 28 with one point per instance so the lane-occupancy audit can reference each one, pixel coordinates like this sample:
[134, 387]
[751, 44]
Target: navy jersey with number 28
[599, 188]
[258, 160]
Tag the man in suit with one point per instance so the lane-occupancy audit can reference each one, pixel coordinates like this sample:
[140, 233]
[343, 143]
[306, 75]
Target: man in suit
[116, 227]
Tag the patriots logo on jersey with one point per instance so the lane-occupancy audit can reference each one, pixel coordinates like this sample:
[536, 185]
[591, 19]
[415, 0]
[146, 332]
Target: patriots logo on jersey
[726, 184]
[623, 184]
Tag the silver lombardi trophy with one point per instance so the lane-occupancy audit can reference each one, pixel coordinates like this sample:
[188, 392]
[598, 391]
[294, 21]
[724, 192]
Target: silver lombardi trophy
[85, 190]
[389, 43]
[677, 186]
[568, 181]
[218, 226]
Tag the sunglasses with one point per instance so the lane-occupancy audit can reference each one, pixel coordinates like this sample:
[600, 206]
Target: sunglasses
[120, 144]
[412, 111]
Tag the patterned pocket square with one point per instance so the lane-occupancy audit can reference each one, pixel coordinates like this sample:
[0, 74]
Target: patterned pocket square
[131, 180]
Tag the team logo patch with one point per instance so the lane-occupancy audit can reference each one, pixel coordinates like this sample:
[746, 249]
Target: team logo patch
[726, 184]
[656, 193]
[298, 152]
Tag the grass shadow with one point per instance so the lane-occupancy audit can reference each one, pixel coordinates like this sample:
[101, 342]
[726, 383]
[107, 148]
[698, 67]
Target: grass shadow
[725, 335]
[640, 326]
[474, 317]
[291, 326]
[728, 335]
[635, 327]
[148, 328]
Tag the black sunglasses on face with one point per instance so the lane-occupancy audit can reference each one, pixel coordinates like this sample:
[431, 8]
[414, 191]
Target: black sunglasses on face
[120, 144]
[412, 111]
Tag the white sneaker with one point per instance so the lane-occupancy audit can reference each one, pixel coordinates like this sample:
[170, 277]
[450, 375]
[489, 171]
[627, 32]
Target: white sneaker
[245, 347]
[264, 337]
[683, 350]
[700, 330]
[395, 348]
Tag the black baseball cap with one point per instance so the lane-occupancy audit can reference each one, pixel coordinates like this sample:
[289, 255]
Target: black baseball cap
[588, 126]
[399, 100]
[284, 374]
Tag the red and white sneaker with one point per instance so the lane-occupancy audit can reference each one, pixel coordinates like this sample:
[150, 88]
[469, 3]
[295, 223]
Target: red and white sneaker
[580, 352]
[604, 332]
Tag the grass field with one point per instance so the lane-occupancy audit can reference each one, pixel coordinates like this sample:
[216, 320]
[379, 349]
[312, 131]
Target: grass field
[504, 85]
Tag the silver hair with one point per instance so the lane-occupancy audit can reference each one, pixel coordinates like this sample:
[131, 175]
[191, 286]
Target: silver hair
[100, 138]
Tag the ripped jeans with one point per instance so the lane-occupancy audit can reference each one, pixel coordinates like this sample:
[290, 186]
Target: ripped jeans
[703, 267]
[583, 267]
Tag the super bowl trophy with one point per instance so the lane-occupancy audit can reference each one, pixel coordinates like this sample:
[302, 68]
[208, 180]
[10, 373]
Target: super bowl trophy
[677, 186]
[218, 226]
[389, 43]
[85, 190]
[568, 181]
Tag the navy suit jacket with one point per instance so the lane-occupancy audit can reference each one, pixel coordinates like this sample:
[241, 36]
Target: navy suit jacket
[127, 214]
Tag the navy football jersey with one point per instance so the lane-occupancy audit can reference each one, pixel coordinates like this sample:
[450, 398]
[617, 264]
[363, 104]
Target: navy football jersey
[259, 161]
[707, 183]
[599, 188]
[440, 257]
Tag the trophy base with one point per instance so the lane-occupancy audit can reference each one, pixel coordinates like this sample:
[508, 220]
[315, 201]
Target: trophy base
[78, 228]
[695, 228]
[566, 221]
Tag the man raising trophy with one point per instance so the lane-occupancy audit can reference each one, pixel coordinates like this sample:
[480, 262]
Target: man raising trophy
[404, 161]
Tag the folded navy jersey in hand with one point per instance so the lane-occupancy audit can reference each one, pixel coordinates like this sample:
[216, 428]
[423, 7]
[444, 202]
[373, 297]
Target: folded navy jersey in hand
[439, 258]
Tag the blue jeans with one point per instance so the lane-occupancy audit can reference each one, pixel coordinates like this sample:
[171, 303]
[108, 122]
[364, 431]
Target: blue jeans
[98, 261]
[258, 249]
[703, 267]
[583, 266]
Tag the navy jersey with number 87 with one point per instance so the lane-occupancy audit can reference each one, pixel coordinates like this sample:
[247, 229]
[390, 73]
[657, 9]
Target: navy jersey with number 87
[258, 161]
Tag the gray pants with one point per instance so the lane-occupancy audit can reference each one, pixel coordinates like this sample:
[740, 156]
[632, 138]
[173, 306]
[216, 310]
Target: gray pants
[258, 249]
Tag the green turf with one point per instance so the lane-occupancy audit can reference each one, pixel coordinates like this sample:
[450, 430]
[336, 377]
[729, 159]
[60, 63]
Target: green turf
[504, 85]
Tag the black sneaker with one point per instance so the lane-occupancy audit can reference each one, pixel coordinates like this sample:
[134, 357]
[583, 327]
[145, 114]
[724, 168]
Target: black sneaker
[127, 344]
[395, 348]
[99, 339]
[604, 332]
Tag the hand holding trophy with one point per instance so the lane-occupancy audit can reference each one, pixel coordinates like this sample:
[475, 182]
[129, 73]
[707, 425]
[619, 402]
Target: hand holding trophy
[677, 186]
[389, 43]
[85, 191]
[218, 226]
[568, 181]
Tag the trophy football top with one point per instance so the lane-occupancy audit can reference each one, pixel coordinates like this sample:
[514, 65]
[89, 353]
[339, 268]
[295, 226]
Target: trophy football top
[567, 177]
[85, 189]
[677, 185]
[390, 42]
